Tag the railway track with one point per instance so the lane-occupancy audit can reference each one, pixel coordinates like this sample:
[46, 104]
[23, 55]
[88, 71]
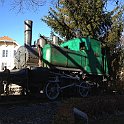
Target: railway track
[24, 99]
[41, 98]
[19, 99]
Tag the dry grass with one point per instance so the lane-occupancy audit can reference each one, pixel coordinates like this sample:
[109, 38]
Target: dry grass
[99, 107]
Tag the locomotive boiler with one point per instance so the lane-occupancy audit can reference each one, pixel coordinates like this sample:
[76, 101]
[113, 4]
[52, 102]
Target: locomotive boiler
[49, 67]
[27, 55]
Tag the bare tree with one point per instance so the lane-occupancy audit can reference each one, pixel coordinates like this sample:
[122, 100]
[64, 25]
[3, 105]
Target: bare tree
[22, 5]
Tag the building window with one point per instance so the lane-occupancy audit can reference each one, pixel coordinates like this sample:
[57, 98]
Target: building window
[5, 53]
[3, 65]
[14, 52]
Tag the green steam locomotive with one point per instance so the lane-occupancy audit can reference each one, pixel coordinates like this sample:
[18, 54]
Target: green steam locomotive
[80, 63]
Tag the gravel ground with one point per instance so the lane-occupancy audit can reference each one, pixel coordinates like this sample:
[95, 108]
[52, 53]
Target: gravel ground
[41, 113]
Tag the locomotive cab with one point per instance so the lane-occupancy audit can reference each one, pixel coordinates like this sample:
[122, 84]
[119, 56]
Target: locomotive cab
[82, 54]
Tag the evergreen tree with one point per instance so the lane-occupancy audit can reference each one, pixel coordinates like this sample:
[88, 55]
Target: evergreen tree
[90, 18]
[87, 16]
[113, 38]
[114, 34]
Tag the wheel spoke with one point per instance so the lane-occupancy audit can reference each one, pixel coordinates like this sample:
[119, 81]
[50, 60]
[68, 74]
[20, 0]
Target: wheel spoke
[52, 90]
[84, 89]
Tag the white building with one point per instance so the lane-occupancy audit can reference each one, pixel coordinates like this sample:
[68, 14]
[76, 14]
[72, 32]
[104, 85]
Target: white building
[8, 48]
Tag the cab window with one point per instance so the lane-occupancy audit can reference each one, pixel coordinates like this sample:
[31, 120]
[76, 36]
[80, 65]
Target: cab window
[66, 47]
[82, 46]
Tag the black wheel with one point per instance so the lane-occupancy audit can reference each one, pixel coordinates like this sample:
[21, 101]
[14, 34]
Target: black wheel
[84, 89]
[52, 90]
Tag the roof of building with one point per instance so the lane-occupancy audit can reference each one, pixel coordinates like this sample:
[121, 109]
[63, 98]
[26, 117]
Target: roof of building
[6, 38]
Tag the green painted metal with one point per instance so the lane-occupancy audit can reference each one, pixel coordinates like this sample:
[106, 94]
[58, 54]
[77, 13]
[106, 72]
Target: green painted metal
[89, 58]
[53, 55]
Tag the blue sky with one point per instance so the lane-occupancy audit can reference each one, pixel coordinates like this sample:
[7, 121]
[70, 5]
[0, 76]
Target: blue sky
[12, 23]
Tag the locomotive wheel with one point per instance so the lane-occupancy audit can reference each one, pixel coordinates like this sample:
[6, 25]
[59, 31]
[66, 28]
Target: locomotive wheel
[52, 90]
[84, 89]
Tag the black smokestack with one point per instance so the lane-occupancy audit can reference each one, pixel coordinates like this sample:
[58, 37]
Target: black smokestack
[28, 32]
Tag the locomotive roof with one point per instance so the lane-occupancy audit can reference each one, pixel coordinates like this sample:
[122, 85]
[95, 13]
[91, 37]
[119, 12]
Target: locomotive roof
[74, 44]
